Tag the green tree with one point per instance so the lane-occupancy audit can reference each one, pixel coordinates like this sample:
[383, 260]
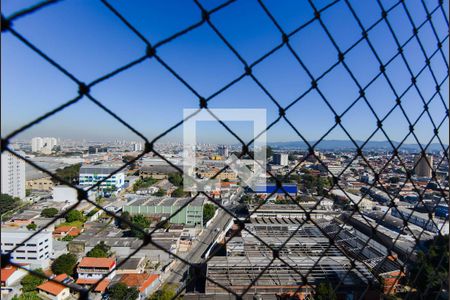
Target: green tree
[124, 216]
[100, 250]
[67, 238]
[69, 173]
[166, 292]
[176, 179]
[31, 226]
[74, 215]
[8, 203]
[64, 264]
[431, 269]
[160, 192]
[178, 193]
[49, 212]
[120, 291]
[27, 192]
[141, 222]
[208, 212]
[31, 281]
[325, 291]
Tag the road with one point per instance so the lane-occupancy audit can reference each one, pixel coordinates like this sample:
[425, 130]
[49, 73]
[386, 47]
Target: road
[200, 245]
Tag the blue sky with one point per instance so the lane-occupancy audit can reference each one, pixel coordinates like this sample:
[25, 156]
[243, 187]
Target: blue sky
[88, 40]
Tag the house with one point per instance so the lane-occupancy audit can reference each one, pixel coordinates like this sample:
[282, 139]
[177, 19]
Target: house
[65, 230]
[91, 270]
[133, 265]
[55, 291]
[145, 283]
[11, 276]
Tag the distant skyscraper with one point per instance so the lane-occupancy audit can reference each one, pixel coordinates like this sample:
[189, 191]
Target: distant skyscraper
[36, 144]
[423, 165]
[223, 151]
[137, 147]
[13, 175]
[280, 159]
[44, 145]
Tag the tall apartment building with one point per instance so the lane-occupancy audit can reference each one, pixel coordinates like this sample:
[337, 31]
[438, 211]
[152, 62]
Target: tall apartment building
[44, 145]
[223, 151]
[35, 252]
[423, 165]
[13, 175]
[280, 159]
[137, 147]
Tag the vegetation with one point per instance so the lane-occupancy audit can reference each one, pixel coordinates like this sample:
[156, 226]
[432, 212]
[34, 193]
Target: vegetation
[208, 212]
[126, 216]
[178, 193]
[100, 250]
[167, 292]
[314, 183]
[27, 296]
[64, 264]
[430, 272]
[92, 212]
[144, 183]
[325, 291]
[77, 224]
[49, 212]
[31, 226]
[176, 179]
[121, 291]
[69, 173]
[8, 203]
[31, 281]
[67, 238]
[141, 222]
[75, 215]
[160, 193]
[27, 192]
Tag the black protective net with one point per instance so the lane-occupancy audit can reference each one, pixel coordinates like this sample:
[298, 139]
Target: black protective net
[342, 257]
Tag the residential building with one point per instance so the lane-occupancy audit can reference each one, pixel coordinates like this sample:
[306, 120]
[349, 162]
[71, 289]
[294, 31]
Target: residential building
[91, 174]
[10, 278]
[137, 147]
[423, 165]
[91, 270]
[13, 175]
[43, 145]
[280, 159]
[223, 151]
[35, 252]
[55, 291]
[145, 283]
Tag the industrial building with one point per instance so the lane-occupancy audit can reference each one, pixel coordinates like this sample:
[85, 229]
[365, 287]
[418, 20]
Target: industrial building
[304, 250]
[35, 252]
[191, 214]
[91, 174]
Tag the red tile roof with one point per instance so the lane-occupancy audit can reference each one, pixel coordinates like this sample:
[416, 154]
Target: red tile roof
[97, 262]
[69, 230]
[101, 287]
[140, 281]
[53, 287]
[6, 272]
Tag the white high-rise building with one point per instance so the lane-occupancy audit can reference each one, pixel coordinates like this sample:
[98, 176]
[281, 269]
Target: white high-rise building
[13, 175]
[223, 151]
[280, 159]
[36, 144]
[137, 147]
[44, 145]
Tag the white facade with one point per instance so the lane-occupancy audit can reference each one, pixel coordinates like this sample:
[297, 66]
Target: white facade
[280, 159]
[64, 193]
[13, 175]
[137, 147]
[223, 151]
[44, 145]
[36, 252]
